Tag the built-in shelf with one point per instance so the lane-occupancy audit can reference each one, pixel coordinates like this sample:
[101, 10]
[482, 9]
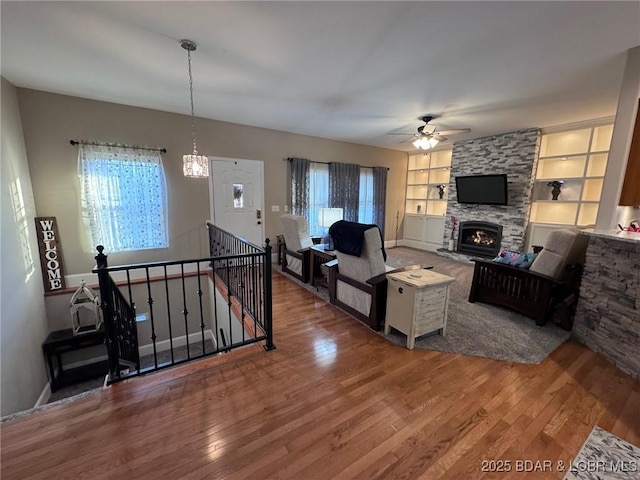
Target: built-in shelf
[425, 205]
[425, 172]
[578, 159]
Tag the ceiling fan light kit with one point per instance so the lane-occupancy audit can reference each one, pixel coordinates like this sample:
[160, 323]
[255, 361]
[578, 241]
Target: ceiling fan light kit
[428, 136]
[425, 143]
[194, 165]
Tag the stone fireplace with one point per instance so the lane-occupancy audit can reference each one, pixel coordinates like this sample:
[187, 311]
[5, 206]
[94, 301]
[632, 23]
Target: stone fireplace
[511, 153]
[479, 238]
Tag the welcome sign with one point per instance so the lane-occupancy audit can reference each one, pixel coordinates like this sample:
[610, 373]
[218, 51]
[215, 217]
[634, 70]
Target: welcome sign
[50, 253]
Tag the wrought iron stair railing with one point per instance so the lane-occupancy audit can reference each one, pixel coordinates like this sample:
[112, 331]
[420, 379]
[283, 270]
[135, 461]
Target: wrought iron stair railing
[194, 308]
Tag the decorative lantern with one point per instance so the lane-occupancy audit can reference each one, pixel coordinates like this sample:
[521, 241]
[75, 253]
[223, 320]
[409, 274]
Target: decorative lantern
[85, 310]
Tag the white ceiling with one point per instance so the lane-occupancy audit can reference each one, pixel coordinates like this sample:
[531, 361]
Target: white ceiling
[351, 71]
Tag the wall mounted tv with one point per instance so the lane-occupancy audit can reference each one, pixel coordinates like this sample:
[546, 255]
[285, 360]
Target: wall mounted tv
[482, 189]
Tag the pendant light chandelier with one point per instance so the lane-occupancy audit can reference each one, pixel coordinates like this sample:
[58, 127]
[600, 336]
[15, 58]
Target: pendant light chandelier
[193, 165]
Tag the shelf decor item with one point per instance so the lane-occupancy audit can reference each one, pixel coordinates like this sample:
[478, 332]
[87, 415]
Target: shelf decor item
[556, 188]
[441, 188]
[85, 310]
[454, 223]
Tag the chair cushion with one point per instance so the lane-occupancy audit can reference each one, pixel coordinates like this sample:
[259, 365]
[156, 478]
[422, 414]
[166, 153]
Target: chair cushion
[558, 248]
[296, 232]
[370, 262]
[294, 264]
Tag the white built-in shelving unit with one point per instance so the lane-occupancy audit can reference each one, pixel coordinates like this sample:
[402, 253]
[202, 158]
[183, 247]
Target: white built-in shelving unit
[425, 207]
[578, 159]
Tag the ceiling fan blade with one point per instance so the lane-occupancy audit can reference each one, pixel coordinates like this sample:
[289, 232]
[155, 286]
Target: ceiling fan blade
[453, 132]
[405, 141]
[412, 134]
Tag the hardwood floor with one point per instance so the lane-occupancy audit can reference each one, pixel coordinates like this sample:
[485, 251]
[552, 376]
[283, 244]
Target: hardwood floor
[334, 400]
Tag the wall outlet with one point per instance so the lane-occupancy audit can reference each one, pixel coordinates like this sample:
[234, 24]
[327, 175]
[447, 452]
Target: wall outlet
[275, 208]
[286, 208]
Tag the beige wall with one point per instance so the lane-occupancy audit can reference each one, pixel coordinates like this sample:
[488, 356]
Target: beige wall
[51, 120]
[23, 322]
[58, 310]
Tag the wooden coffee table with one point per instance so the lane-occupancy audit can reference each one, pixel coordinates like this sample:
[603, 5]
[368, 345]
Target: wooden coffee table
[319, 256]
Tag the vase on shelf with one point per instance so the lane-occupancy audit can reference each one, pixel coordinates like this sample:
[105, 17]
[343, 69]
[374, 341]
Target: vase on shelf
[556, 189]
[441, 191]
[451, 244]
[419, 208]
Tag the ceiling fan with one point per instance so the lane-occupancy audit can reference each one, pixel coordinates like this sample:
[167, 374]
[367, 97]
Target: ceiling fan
[428, 136]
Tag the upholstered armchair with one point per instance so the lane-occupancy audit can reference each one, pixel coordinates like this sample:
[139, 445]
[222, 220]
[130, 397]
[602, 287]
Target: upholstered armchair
[297, 241]
[358, 284]
[553, 278]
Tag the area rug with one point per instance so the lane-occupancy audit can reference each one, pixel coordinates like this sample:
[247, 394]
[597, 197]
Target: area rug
[605, 457]
[473, 329]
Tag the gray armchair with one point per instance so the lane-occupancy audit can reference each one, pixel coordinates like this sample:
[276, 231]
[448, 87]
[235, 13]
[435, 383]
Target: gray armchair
[297, 241]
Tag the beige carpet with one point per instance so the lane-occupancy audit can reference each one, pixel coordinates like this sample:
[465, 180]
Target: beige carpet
[473, 329]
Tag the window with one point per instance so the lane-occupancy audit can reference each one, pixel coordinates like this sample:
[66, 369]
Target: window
[310, 192]
[124, 197]
[318, 195]
[365, 199]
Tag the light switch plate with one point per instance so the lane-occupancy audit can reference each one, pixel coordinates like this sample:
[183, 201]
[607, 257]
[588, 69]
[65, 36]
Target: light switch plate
[275, 208]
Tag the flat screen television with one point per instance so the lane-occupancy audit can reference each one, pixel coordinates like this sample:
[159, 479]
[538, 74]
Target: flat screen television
[482, 189]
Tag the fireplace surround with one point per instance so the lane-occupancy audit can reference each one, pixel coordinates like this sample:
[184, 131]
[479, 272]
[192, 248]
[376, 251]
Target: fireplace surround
[479, 238]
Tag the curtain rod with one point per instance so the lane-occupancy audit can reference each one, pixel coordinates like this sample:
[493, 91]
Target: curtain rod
[329, 163]
[135, 147]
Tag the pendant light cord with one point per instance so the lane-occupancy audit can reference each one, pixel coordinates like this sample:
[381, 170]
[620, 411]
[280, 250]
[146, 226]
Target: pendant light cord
[193, 118]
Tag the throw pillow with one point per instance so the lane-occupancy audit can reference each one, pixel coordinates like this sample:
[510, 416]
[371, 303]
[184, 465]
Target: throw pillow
[525, 260]
[515, 259]
[506, 256]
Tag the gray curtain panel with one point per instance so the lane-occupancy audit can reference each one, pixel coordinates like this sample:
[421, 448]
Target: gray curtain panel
[300, 186]
[344, 188]
[379, 196]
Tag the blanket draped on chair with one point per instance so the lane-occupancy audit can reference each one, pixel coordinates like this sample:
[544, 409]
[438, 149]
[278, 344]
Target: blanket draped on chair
[348, 237]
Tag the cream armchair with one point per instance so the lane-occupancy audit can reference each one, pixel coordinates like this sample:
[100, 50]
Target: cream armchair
[358, 284]
[297, 244]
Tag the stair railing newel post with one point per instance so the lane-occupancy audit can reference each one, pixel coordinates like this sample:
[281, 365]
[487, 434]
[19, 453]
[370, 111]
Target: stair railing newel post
[268, 307]
[106, 304]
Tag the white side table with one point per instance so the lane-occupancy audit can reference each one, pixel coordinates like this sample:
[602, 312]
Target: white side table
[417, 302]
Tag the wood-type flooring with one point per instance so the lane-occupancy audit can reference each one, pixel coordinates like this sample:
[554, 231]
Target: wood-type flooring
[334, 400]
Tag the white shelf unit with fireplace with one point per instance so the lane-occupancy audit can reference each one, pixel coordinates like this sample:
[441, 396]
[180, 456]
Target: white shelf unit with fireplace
[577, 159]
[425, 206]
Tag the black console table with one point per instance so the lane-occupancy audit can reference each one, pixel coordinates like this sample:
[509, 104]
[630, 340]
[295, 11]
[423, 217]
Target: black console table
[63, 341]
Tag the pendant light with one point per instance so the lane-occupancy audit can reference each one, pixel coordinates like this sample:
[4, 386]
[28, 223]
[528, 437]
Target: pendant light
[193, 165]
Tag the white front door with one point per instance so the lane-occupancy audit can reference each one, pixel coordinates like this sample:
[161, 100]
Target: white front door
[236, 193]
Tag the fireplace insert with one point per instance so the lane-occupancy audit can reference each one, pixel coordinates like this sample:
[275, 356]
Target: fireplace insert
[480, 238]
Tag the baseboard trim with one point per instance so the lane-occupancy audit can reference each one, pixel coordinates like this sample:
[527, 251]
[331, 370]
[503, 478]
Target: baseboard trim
[419, 245]
[181, 341]
[44, 396]
[161, 346]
